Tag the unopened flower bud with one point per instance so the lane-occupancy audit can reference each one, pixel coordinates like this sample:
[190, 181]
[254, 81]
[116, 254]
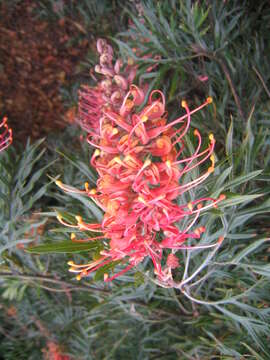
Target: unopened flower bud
[118, 65]
[101, 45]
[172, 261]
[105, 59]
[121, 81]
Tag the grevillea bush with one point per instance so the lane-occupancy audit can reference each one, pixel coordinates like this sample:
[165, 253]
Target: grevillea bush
[163, 203]
[139, 159]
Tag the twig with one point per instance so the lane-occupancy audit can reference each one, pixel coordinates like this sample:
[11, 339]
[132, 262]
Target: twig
[68, 286]
[262, 81]
[228, 77]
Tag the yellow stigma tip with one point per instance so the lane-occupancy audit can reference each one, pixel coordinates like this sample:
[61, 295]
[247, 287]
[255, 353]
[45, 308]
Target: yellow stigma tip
[211, 137]
[147, 162]
[212, 158]
[196, 132]
[59, 217]
[78, 218]
[70, 263]
[97, 152]
[209, 100]
[144, 118]
[183, 103]
[78, 277]
[86, 185]
[72, 236]
[93, 192]
[189, 205]
[114, 131]
[117, 160]
[141, 199]
[59, 183]
[211, 169]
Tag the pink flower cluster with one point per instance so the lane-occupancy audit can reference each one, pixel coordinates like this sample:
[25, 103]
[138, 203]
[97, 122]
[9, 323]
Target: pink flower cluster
[141, 166]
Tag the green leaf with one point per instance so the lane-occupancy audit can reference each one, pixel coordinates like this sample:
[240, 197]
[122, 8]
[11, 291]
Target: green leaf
[242, 179]
[62, 247]
[232, 199]
[249, 249]
[99, 275]
[229, 140]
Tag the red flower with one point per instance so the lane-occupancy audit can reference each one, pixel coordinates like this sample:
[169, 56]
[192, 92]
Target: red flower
[140, 162]
[5, 134]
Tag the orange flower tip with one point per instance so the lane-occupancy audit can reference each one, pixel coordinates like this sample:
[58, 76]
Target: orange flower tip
[130, 61]
[183, 103]
[106, 276]
[59, 183]
[197, 232]
[79, 219]
[130, 103]
[220, 239]
[199, 206]
[86, 185]
[93, 192]
[189, 205]
[196, 132]
[209, 100]
[70, 263]
[72, 236]
[97, 152]
[211, 137]
[211, 169]
[78, 277]
[202, 229]
[222, 197]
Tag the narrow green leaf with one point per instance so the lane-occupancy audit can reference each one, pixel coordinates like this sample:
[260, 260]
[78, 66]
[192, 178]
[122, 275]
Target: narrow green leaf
[62, 247]
[242, 179]
[229, 140]
[232, 199]
[249, 249]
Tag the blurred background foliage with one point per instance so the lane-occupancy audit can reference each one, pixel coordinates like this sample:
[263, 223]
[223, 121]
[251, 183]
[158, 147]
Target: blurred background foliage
[197, 49]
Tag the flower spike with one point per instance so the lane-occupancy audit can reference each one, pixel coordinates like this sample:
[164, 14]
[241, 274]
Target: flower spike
[141, 167]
